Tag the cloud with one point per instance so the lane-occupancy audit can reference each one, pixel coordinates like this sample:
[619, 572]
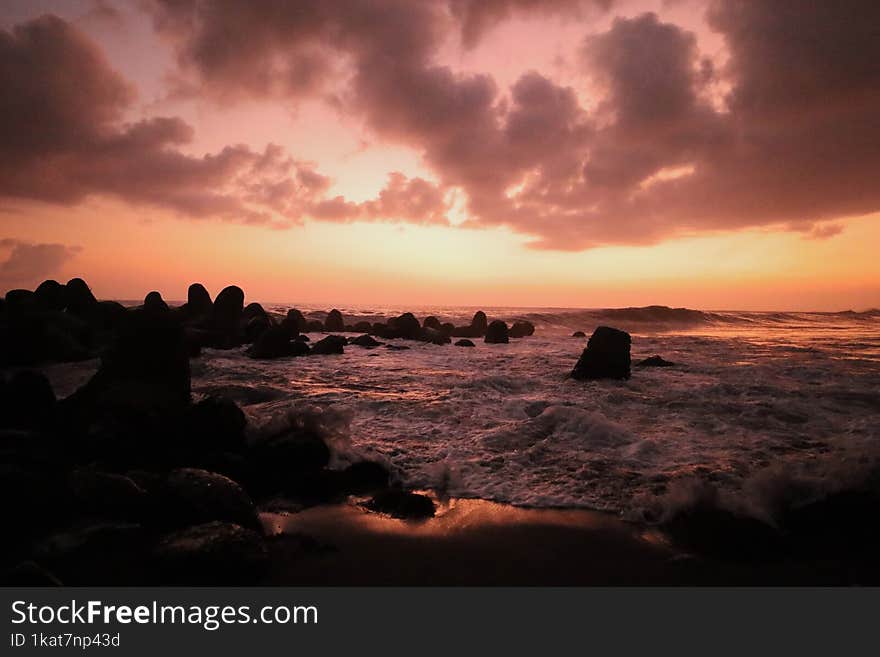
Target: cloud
[29, 263]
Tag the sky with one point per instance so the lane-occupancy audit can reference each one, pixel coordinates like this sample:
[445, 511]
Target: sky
[719, 154]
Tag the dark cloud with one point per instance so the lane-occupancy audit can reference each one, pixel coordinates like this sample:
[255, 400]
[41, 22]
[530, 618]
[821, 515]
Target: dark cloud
[62, 139]
[27, 263]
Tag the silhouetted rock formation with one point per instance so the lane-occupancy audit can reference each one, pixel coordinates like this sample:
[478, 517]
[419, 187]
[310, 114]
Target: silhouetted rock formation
[154, 303]
[276, 342]
[365, 477]
[80, 300]
[51, 295]
[654, 361]
[402, 504]
[108, 495]
[578, 334]
[198, 301]
[295, 321]
[191, 496]
[26, 399]
[497, 333]
[365, 341]
[362, 327]
[477, 328]
[465, 343]
[226, 317]
[314, 326]
[334, 321]
[607, 356]
[405, 326]
[522, 329]
[432, 323]
[332, 344]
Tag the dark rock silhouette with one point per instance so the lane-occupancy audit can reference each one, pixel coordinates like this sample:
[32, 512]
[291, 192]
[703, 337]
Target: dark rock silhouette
[108, 495]
[522, 329]
[365, 477]
[332, 344]
[477, 328]
[362, 327]
[334, 321]
[26, 399]
[432, 323]
[279, 461]
[210, 554]
[314, 326]
[464, 342]
[607, 356]
[365, 341]
[154, 303]
[295, 321]
[275, 342]
[191, 496]
[497, 333]
[215, 423]
[402, 504]
[654, 361]
[51, 295]
[226, 317]
[578, 334]
[198, 301]
[80, 300]
[405, 326]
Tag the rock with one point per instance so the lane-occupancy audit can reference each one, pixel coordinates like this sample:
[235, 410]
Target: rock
[198, 301]
[402, 504]
[365, 477]
[302, 337]
[154, 303]
[26, 400]
[80, 300]
[334, 321]
[365, 341]
[497, 333]
[102, 554]
[362, 327]
[578, 334]
[405, 326]
[51, 295]
[215, 423]
[213, 553]
[147, 367]
[432, 323]
[465, 343]
[479, 323]
[29, 573]
[654, 361]
[253, 310]
[191, 496]
[314, 326]
[275, 342]
[607, 356]
[226, 317]
[277, 462]
[107, 495]
[447, 329]
[522, 329]
[332, 344]
[396, 347]
[295, 321]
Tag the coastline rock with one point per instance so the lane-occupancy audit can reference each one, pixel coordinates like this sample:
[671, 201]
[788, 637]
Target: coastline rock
[334, 322]
[275, 342]
[365, 477]
[497, 333]
[80, 300]
[578, 334]
[154, 303]
[198, 301]
[480, 323]
[295, 322]
[365, 341]
[332, 344]
[654, 361]
[432, 323]
[191, 496]
[110, 496]
[51, 295]
[226, 317]
[405, 326]
[402, 504]
[465, 343]
[607, 356]
[212, 553]
[314, 326]
[26, 399]
[215, 423]
[362, 327]
[522, 329]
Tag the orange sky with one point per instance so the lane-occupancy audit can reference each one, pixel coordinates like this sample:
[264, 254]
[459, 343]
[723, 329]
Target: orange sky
[126, 247]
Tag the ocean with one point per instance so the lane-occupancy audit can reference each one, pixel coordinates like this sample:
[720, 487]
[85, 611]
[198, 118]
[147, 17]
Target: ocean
[759, 408]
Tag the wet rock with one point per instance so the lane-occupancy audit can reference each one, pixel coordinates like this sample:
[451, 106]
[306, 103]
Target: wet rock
[332, 344]
[654, 361]
[522, 329]
[477, 328]
[447, 329]
[334, 321]
[314, 326]
[396, 347]
[275, 342]
[107, 495]
[191, 496]
[405, 326]
[215, 423]
[362, 327]
[278, 462]
[607, 356]
[198, 301]
[578, 334]
[154, 303]
[80, 300]
[497, 333]
[365, 477]
[434, 336]
[213, 553]
[402, 504]
[432, 323]
[51, 295]
[26, 399]
[295, 321]
[365, 341]
[465, 343]
[29, 573]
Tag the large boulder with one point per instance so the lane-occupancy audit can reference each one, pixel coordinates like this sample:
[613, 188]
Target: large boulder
[276, 342]
[51, 295]
[295, 322]
[280, 461]
[497, 333]
[405, 326]
[654, 361]
[26, 399]
[107, 495]
[198, 301]
[402, 504]
[334, 321]
[365, 341]
[191, 496]
[432, 323]
[477, 328]
[80, 300]
[578, 334]
[607, 356]
[154, 303]
[215, 423]
[332, 344]
[226, 317]
[211, 554]
[464, 342]
[522, 329]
